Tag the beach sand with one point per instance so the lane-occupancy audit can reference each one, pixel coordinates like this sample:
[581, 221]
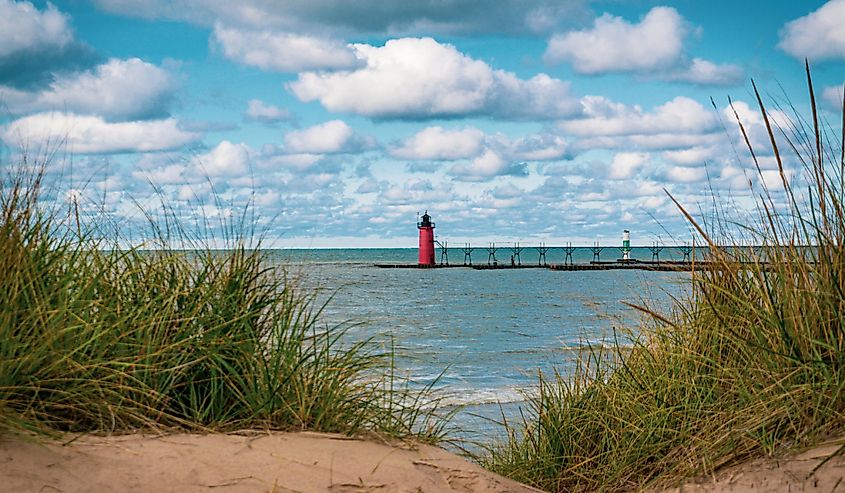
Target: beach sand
[286, 462]
[253, 462]
[818, 469]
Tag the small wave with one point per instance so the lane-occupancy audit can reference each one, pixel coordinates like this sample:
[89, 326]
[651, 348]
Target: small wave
[313, 263]
[470, 397]
[528, 351]
[596, 344]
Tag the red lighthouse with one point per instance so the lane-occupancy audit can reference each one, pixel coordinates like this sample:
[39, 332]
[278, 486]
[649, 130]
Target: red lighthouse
[426, 228]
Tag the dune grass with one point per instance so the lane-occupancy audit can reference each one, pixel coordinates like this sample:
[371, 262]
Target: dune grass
[753, 363]
[95, 338]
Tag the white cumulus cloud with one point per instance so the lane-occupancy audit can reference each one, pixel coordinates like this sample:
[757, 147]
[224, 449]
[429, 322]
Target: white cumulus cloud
[541, 147]
[755, 127]
[226, 159]
[833, 96]
[817, 35]
[23, 27]
[604, 117]
[496, 154]
[283, 52]
[653, 47]
[685, 174]
[487, 166]
[417, 78]
[626, 164]
[92, 134]
[614, 44]
[259, 111]
[331, 137]
[297, 162]
[705, 72]
[365, 16]
[692, 156]
[506, 191]
[437, 143]
[169, 174]
[118, 89]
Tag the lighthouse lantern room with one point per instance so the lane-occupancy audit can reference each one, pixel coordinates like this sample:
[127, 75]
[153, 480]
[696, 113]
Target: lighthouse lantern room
[426, 252]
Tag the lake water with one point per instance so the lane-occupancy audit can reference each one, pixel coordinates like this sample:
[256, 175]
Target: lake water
[487, 331]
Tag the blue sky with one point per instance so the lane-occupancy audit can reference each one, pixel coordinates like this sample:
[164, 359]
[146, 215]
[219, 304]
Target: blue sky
[507, 120]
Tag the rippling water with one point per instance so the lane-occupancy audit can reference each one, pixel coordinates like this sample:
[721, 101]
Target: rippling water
[491, 331]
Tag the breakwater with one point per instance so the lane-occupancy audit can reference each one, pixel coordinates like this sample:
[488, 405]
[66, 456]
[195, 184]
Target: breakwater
[661, 266]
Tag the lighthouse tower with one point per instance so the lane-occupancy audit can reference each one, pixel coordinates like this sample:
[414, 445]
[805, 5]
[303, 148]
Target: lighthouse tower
[426, 228]
[626, 245]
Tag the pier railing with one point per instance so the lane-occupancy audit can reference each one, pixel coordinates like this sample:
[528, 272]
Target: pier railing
[583, 258]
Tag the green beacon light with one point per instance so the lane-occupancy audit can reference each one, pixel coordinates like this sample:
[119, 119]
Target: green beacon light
[626, 245]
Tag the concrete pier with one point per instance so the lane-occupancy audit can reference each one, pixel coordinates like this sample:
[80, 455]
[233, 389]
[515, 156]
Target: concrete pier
[664, 266]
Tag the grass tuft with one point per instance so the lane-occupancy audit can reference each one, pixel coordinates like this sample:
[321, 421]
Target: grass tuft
[95, 338]
[753, 363]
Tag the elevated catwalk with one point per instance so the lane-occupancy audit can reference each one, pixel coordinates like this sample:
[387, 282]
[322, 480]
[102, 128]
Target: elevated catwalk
[669, 266]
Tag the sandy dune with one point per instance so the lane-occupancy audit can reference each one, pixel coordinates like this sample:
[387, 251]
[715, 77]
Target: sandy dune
[285, 462]
[260, 462]
[820, 469]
